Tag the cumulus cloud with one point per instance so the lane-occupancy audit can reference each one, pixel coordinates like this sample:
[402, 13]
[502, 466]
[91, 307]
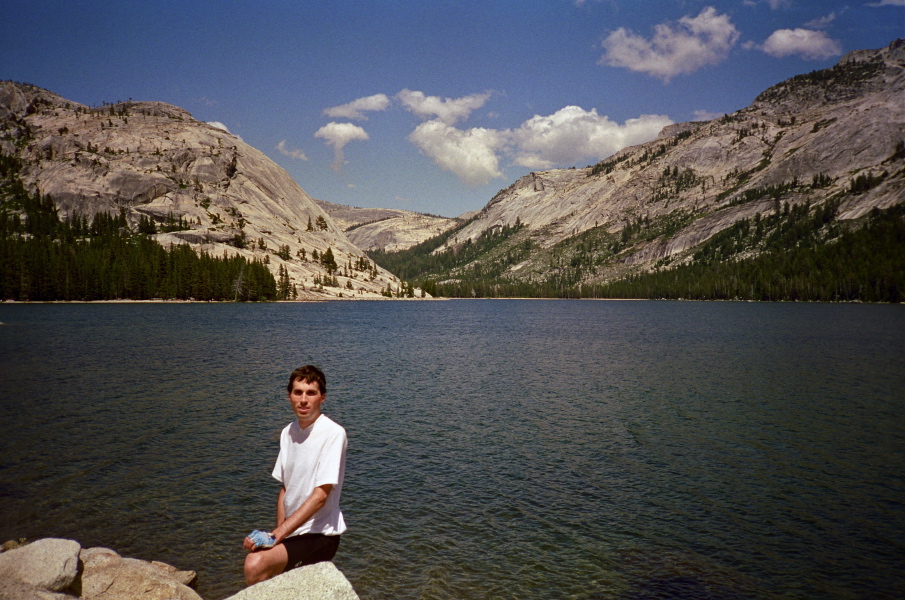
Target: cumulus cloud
[471, 154]
[806, 43]
[674, 49]
[296, 154]
[337, 135]
[887, 3]
[218, 125]
[356, 109]
[573, 134]
[568, 136]
[447, 110]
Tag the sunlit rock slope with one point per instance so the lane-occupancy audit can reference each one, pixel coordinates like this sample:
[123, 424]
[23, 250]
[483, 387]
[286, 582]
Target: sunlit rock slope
[386, 229]
[153, 159]
[807, 139]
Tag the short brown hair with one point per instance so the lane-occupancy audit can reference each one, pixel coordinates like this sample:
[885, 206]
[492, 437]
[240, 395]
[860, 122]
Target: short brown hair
[308, 374]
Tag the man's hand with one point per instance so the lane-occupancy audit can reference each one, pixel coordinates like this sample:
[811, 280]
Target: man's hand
[258, 539]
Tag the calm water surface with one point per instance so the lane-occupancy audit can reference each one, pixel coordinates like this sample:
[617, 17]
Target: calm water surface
[497, 449]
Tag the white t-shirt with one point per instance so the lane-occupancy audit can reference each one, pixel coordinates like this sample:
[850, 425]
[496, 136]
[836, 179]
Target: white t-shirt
[310, 458]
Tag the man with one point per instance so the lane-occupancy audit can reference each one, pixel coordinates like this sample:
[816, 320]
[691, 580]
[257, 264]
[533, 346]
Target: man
[311, 466]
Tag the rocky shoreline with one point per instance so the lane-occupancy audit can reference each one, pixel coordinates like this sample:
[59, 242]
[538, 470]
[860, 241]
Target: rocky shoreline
[60, 569]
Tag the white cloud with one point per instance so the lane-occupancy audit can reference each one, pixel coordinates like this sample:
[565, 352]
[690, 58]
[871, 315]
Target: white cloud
[218, 125]
[706, 115]
[822, 21]
[569, 136]
[296, 154]
[573, 134]
[338, 135]
[675, 49]
[886, 3]
[804, 42]
[470, 154]
[357, 108]
[447, 110]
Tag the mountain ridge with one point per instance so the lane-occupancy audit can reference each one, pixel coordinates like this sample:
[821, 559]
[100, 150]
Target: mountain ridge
[388, 229]
[809, 139]
[153, 160]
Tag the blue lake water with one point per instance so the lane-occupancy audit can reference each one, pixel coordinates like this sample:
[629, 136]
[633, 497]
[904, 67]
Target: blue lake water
[497, 449]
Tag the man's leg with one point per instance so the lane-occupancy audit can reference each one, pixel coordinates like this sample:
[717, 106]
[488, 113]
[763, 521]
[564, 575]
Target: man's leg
[261, 565]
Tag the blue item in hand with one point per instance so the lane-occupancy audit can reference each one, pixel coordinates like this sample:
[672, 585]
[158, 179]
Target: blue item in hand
[262, 539]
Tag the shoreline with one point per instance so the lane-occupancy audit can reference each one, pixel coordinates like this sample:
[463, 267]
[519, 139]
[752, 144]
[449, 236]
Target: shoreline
[63, 569]
[443, 299]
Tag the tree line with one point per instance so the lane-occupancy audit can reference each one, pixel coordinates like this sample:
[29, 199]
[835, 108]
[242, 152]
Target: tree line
[46, 258]
[796, 253]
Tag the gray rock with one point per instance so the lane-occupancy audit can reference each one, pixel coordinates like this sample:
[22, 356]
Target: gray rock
[97, 557]
[321, 581]
[50, 564]
[184, 577]
[10, 589]
[110, 577]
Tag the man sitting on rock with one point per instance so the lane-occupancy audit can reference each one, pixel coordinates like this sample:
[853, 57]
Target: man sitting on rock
[311, 466]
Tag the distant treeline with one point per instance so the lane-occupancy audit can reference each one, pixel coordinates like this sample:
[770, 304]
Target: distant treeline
[796, 253]
[43, 257]
[867, 264]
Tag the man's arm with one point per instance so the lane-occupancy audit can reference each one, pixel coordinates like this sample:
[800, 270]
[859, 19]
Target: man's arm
[281, 509]
[286, 525]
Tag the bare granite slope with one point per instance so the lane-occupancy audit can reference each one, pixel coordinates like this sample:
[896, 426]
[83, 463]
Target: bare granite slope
[153, 159]
[386, 229]
[804, 140]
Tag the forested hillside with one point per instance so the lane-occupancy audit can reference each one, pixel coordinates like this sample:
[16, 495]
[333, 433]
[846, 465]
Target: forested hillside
[796, 197]
[798, 253]
[44, 257]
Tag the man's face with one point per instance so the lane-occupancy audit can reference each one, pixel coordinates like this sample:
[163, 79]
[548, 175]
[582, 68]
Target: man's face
[306, 399]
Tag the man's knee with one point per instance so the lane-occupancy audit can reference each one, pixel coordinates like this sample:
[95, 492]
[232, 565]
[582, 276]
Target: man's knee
[260, 566]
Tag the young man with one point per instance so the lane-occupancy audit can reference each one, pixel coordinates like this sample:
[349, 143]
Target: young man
[311, 466]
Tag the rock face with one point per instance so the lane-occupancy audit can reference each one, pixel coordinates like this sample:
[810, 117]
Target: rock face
[60, 569]
[804, 140]
[49, 564]
[154, 160]
[321, 581]
[57, 569]
[386, 229]
[108, 576]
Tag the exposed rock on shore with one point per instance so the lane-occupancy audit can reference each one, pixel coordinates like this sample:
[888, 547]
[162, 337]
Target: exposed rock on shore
[61, 569]
[321, 581]
[58, 569]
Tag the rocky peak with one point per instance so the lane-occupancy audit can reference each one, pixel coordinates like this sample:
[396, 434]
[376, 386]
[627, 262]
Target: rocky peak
[856, 74]
[154, 160]
[803, 140]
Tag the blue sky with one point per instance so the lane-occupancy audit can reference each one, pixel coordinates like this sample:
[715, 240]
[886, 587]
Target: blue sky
[433, 106]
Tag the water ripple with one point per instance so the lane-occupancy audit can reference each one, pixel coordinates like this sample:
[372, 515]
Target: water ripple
[498, 449]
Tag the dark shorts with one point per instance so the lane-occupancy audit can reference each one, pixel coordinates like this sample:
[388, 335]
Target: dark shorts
[310, 548]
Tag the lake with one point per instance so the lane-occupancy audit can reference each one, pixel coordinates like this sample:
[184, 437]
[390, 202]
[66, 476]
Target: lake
[497, 448]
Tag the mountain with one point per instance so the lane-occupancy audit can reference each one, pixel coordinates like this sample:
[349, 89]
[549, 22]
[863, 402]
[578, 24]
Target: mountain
[386, 229]
[198, 183]
[827, 138]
